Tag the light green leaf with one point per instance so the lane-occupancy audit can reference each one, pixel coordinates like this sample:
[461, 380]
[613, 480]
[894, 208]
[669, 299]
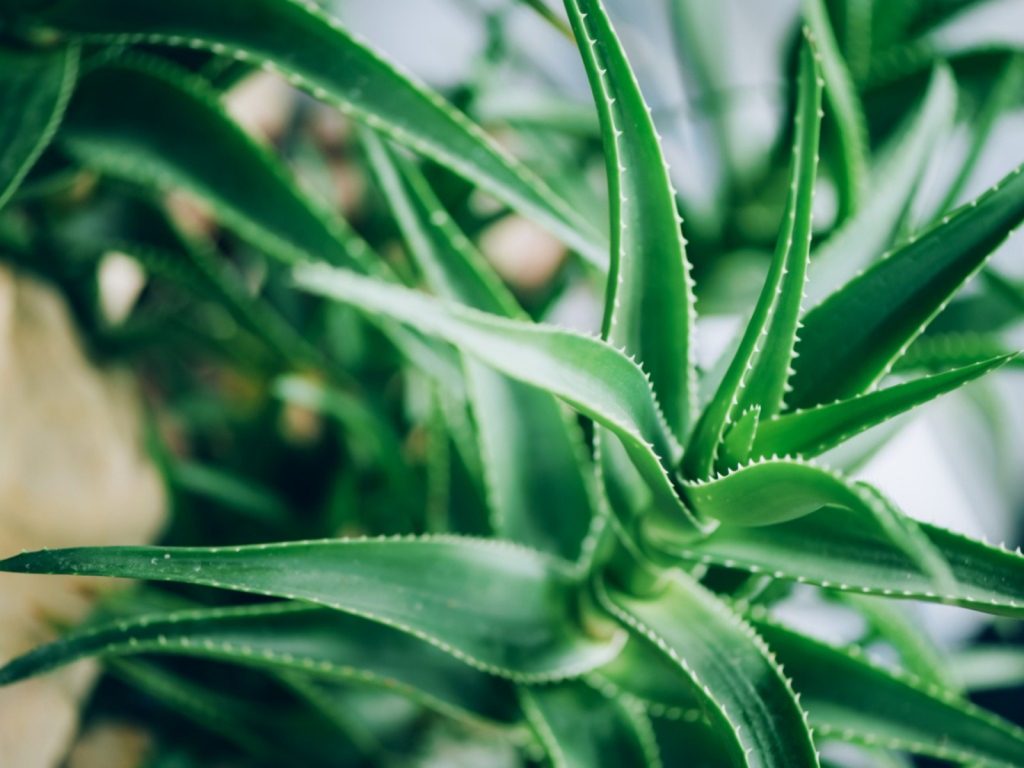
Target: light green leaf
[848, 550]
[316, 53]
[844, 107]
[852, 339]
[730, 668]
[290, 637]
[580, 728]
[499, 607]
[534, 462]
[869, 232]
[942, 351]
[778, 305]
[988, 667]
[649, 302]
[589, 375]
[850, 698]
[813, 431]
[34, 90]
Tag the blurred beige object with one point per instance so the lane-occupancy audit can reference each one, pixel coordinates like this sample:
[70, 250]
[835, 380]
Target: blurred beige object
[73, 471]
[524, 255]
[110, 744]
[262, 104]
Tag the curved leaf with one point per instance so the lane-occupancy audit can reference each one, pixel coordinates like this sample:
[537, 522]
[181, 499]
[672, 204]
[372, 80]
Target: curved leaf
[147, 122]
[810, 432]
[779, 302]
[844, 105]
[34, 89]
[533, 456]
[290, 637]
[580, 728]
[318, 54]
[852, 699]
[589, 375]
[649, 302]
[499, 607]
[848, 550]
[730, 668]
[852, 339]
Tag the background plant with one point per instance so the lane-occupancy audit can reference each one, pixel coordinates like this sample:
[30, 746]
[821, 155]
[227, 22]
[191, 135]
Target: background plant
[606, 587]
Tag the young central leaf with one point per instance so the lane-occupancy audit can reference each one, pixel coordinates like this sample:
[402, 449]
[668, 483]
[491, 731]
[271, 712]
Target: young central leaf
[649, 304]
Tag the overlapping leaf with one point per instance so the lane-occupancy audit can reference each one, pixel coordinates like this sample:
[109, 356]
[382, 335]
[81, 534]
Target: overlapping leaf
[291, 637]
[730, 669]
[852, 339]
[850, 698]
[316, 53]
[498, 607]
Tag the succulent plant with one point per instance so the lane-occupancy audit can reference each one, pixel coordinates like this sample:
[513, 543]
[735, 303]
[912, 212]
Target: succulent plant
[647, 517]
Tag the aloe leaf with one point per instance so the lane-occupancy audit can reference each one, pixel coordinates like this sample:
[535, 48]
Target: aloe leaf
[580, 728]
[499, 607]
[780, 294]
[852, 339]
[587, 374]
[810, 432]
[149, 123]
[693, 743]
[848, 550]
[34, 89]
[534, 463]
[845, 109]
[649, 302]
[290, 637]
[730, 668]
[316, 53]
[941, 351]
[868, 233]
[853, 699]
[739, 440]
[646, 677]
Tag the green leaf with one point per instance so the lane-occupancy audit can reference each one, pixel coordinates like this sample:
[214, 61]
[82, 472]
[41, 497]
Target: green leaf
[729, 667]
[580, 728]
[533, 455]
[845, 109]
[810, 432]
[869, 232]
[152, 124]
[649, 302]
[852, 339]
[589, 375]
[853, 699]
[499, 607]
[34, 89]
[848, 550]
[941, 351]
[988, 667]
[646, 677]
[774, 319]
[292, 637]
[318, 55]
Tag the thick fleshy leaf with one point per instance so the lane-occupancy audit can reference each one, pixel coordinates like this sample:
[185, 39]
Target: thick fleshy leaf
[848, 550]
[779, 302]
[850, 698]
[34, 90]
[852, 339]
[292, 637]
[810, 432]
[942, 351]
[589, 375]
[533, 457]
[642, 674]
[149, 123]
[870, 231]
[693, 743]
[845, 109]
[730, 668]
[318, 54]
[988, 667]
[649, 302]
[579, 727]
[499, 607]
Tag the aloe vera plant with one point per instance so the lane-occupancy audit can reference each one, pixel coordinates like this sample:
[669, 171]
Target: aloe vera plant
[611, 532]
